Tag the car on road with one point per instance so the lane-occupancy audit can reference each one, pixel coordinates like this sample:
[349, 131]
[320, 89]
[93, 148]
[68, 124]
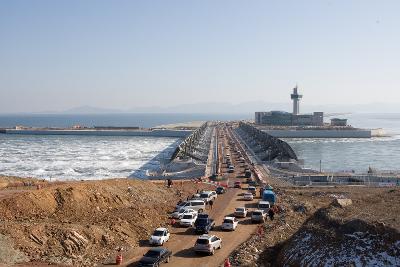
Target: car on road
[253, 183]
[159, 236]
[258, 216]
[188, 220]
[197, 205]
[229, 223]
[204, 225]
[207, 244]
[237, 184]
[179, 213]
[220, 190]
[264, 205]
[208, 195]
[247, 173]
[252, 190]
[240, 212]
[154, 257]
[248, 196]
[231, 169]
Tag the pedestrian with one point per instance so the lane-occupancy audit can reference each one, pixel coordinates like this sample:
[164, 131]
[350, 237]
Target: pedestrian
[169, 182]
[187, 198]
[211, 204]
[271, 214]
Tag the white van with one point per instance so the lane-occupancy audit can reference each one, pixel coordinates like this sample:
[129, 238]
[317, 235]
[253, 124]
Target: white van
[264, 205]
[197, 205]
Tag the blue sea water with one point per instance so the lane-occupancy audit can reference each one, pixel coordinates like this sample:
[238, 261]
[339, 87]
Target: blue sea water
[145, 120]
[97, 157]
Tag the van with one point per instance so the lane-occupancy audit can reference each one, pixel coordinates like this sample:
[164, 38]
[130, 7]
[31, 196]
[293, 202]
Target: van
[269, 196]
[197, 205]
[263, 205]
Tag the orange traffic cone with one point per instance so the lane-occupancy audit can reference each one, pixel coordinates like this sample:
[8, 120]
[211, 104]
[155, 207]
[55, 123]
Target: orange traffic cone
[118, 259]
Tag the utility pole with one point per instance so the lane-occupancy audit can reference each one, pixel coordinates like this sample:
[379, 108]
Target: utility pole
[320, 166]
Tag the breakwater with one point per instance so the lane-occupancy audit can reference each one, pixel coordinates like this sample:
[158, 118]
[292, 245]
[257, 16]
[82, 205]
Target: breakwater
[96, 132]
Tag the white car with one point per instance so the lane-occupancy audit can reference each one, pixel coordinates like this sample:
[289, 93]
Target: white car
[258, 216]
[178, 214]
[208, 244]
[159, 236]
[240, 212]
[229, 223]
[208, 195]
[188, 220]
[248, 196]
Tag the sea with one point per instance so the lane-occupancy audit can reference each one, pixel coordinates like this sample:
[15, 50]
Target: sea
[99, 157]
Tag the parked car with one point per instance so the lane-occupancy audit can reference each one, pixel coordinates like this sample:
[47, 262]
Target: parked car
[252, 190]
[264, 205]
[178, 214]
[154, 257]
[204, 225]
[188, 220]
[207, 244]
[197, 205]
[240, 212]
[253, 183]
[220, 190]
[237, 184]
[229, 223]
[247, 173]
[258, 216]
[248, 196]
[159, 236]
[208, 195]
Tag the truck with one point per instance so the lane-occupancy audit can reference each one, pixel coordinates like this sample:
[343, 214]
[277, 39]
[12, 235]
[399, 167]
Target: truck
[269, 195]
[204, 225]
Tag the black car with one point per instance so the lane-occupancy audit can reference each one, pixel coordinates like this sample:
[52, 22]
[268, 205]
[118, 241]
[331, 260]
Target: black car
[220, 190]
[204, 225]
[154, 257]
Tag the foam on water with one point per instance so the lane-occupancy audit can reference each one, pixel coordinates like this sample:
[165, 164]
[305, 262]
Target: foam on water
[77, 157]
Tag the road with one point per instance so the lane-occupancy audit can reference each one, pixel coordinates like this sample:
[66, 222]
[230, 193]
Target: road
[183, 239]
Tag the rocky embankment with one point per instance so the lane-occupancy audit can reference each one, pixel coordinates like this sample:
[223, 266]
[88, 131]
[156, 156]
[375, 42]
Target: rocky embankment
[82, 223]
[315, 229]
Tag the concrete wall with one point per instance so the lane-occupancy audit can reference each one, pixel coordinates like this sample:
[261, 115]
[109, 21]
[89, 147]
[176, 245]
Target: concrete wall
[154, 133]
[331, 133]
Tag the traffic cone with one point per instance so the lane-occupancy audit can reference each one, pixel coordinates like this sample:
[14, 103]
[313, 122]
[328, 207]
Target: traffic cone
[227, 263]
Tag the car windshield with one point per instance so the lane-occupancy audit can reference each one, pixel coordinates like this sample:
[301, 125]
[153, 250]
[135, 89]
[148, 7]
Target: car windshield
[203, 215]
[202, 241]
[263, 206]
[188, 216]
[240, 209]
[152, 254]
[158, 233]
[256, 213]
[228, 221]
[204, 195]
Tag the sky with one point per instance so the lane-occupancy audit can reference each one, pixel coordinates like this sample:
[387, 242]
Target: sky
[57, 55]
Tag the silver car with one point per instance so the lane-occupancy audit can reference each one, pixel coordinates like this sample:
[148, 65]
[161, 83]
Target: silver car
[207, 244]
[258, 216]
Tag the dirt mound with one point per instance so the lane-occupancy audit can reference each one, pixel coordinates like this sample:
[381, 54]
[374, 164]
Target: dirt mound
[327, 239]
[82, 223]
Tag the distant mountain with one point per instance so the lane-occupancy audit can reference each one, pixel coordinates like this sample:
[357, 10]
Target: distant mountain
[91, 110]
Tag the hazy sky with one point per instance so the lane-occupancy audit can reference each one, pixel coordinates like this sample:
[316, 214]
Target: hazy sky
[56, 55]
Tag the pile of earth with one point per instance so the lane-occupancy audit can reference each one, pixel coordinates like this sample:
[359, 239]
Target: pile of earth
[83, 223]
[325, 239]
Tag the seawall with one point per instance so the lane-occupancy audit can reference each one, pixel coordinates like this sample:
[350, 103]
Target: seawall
[150, 133]
[328, 133]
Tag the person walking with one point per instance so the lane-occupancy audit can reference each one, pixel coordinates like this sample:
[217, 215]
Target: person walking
[211, 204]
[271, 214]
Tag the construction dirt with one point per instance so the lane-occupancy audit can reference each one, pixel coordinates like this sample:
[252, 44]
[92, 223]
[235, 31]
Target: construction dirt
[313, 229]
[81, 223]
[84, 223]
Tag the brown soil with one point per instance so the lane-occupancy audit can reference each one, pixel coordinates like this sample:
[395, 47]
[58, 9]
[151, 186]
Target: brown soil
[374, 210]
[82, 223]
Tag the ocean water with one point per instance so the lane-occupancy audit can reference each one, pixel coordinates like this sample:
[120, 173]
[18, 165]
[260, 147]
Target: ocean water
[354, 154]
[97, 157]
[145, 120]
[79, 157]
